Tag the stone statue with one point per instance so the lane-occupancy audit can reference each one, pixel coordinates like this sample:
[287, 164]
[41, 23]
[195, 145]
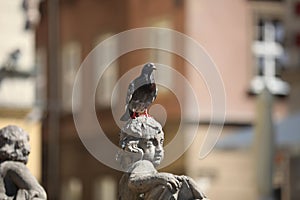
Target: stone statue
[141, 140]
[16, 181]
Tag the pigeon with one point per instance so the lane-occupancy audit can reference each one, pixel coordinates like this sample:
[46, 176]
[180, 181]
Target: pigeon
[9, 68]
[142, 91]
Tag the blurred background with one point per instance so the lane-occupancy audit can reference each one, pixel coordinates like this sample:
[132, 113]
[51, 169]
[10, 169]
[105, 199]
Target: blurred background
[254, 43]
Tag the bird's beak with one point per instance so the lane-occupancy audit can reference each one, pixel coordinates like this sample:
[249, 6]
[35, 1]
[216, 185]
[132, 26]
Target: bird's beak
[154, 68]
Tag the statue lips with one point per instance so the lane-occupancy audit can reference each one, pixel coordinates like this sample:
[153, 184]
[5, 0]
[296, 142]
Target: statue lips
[158, 158]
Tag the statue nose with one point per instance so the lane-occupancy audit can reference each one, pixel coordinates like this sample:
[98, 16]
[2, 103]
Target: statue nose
[159, 148]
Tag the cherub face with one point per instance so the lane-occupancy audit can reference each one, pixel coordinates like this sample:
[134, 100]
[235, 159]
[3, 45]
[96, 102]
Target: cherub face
[153, 149]
[14, 144]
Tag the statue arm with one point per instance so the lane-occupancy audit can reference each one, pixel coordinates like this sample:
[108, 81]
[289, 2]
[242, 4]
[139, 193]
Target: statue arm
[26, 183]
[145, 182]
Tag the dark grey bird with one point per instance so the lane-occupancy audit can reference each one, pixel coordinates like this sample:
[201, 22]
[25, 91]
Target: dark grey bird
[142, 91]
[9, 68]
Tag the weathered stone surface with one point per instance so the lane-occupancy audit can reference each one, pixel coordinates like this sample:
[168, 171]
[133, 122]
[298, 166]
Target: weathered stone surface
[141, 140]
[142, 126]
[16, 181]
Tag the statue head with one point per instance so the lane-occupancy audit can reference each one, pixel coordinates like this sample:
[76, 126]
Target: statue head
[14, 144]
[143, 139]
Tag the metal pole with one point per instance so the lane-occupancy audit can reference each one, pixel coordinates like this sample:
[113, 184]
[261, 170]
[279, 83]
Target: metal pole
[264, 145]
[53, 172]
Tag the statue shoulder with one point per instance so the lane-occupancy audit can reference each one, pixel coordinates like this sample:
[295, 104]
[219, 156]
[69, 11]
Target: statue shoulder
[142, 167]
[15, 166]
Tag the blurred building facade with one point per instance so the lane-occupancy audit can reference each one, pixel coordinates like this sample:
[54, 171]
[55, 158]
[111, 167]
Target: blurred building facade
[67, 33]
[70, 29]
[17, 81]
[230, 33]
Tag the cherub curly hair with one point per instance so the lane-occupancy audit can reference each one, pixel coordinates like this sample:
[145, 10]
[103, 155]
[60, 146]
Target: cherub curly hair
[14, 144]
[133, 132]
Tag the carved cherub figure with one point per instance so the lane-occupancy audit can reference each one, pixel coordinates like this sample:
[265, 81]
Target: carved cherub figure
[16, 181]
[142, 142]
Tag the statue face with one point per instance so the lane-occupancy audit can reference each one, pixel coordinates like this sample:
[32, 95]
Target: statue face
[14, 144]
[153, 149]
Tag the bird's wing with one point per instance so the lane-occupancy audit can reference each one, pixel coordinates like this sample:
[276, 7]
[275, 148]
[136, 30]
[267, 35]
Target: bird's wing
[156, 91]
[126, 115]
[130, 92]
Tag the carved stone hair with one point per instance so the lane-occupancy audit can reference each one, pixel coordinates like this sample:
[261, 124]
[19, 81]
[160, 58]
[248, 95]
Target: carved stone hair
[131, 134]
[141, 127]
[14, 144]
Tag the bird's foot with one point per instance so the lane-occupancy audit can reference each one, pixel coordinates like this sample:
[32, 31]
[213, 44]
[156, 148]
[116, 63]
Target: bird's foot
[146, 113]
[134, 115]
[137, 114]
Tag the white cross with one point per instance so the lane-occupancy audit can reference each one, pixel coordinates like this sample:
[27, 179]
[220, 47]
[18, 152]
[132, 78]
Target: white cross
[269, 49]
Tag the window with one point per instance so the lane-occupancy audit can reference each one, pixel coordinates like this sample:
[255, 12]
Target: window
[268, 0]
[108, 80]
[269, 55]
[162, 39]
[292, 23]
[71, 59]
[17, 81]
[268, 47]
[41, 60]
[105, 188]
[72, 189]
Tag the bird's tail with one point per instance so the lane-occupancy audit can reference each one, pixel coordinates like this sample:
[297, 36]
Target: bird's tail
[125, 116]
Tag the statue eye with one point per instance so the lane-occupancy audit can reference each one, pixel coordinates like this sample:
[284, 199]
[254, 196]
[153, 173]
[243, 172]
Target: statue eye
[149, 144]
[5, 141]
[19, 144]
[162, 141]
[154, 142]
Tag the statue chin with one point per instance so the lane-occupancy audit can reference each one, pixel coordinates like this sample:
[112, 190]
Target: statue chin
[156, 163]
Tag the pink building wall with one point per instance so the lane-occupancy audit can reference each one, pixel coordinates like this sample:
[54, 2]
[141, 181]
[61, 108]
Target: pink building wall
[222, 28]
